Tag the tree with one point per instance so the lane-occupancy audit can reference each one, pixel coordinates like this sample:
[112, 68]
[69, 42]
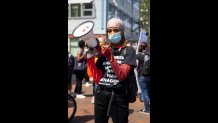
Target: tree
[144, 8]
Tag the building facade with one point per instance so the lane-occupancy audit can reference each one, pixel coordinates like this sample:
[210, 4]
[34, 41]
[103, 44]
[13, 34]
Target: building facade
[99, 11]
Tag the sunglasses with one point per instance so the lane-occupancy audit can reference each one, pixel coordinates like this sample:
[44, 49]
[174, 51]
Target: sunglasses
[114, 30]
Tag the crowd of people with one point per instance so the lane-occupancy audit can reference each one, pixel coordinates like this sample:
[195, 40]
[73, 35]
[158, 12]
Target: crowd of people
[107, 67]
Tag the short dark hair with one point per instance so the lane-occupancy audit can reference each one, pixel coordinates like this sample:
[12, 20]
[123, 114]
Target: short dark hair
[142, 48]
[81, 43]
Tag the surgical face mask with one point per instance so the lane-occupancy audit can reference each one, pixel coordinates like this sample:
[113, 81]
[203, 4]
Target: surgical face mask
[115, 38]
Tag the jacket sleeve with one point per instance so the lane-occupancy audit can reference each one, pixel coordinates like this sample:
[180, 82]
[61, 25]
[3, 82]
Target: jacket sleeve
[120, 70]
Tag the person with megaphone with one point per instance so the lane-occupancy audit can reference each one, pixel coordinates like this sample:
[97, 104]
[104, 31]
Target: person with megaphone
[101, 41]
[110, 71]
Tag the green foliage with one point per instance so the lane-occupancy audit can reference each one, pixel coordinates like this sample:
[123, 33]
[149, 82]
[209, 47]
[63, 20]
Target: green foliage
[145, 14]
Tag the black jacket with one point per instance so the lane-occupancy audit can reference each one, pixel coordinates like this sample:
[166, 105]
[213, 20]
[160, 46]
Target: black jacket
[71, 62]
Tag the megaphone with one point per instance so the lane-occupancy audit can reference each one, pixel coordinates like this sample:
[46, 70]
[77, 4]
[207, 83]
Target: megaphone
[85, 32]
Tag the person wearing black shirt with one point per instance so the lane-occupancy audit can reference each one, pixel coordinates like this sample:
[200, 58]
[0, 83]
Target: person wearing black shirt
[114, 64]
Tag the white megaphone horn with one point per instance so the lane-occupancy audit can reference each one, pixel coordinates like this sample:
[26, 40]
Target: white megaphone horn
[85, 32]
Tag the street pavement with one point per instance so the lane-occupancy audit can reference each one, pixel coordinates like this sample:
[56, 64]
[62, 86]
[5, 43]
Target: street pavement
[85, 109]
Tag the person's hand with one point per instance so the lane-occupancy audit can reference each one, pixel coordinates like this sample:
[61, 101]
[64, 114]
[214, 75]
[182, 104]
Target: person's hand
[107, 52]
[91, 79]
[86, 50]
[91, 52]
[98, 48]
[105, 46]
[89, 55]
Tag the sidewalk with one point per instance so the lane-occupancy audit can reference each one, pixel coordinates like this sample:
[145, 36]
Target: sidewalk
[85, 109]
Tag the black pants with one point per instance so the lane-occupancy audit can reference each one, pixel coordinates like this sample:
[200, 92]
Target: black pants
[93, 88]
[86, 75]
[79, 77]
[119, 110]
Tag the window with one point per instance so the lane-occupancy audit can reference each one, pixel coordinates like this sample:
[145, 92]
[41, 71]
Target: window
[80, 10]
[122, 2]
[87, 5]
[124, 17]
[87, 9]
[120, 14]
[112, 10]
[109, 11]
[75, 10]
[68, 10]
[74, 46]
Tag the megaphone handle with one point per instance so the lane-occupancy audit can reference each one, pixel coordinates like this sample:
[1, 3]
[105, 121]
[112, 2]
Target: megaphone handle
[98, 48]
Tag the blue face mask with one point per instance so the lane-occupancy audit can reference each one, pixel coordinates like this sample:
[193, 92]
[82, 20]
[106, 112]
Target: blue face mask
[114, 38]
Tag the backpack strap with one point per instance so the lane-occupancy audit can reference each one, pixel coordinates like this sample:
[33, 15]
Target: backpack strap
[146, 57]
[124, 51]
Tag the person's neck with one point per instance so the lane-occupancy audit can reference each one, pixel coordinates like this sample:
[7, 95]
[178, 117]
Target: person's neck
[120, 44]
[82, 48]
